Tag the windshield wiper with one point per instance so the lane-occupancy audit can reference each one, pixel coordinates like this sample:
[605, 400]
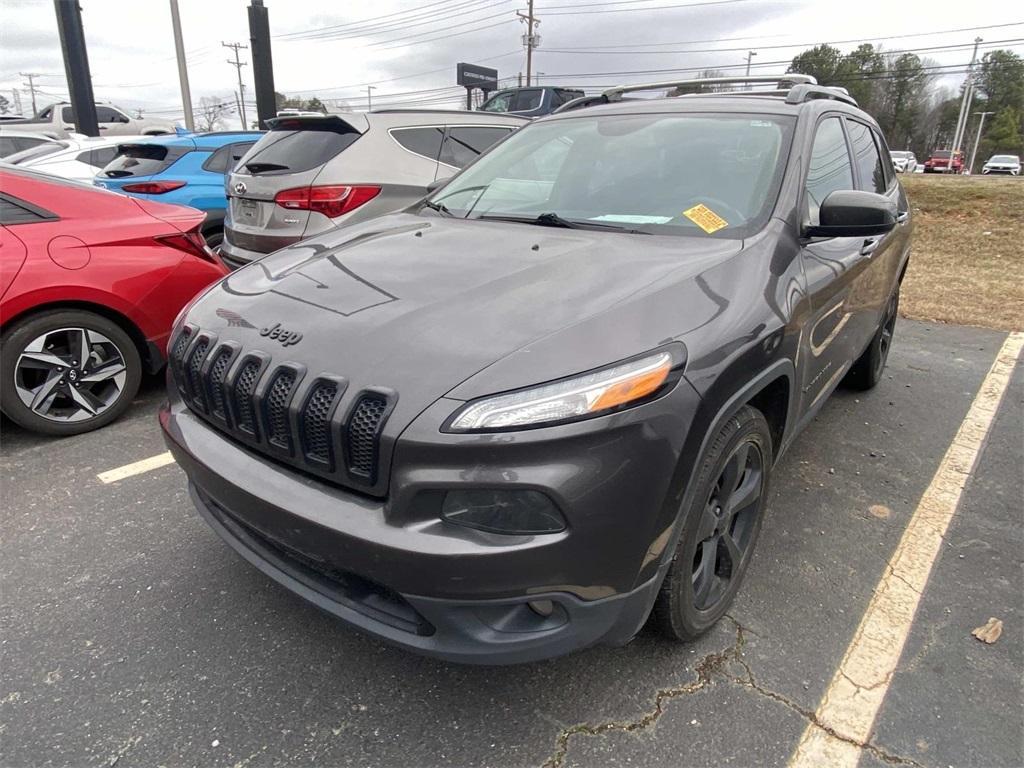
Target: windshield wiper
[258, 168]
[439, 207]
[552, 219]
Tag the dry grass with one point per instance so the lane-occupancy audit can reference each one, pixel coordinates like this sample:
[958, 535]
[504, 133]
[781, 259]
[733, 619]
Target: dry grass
[967, 262]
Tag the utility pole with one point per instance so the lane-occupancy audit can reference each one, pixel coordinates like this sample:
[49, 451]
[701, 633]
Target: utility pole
[238, 109]
[17, 101]
[238, 64]
[262, 62]
[76, 66]
[530, 40]
[369, 98]
[179, 50]
[977, 138]
[965, 106]
[31, 85]
[750, 55]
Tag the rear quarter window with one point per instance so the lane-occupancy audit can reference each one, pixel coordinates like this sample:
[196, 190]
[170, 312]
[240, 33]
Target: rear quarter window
[424, 141]
[14, 211]
[295, 151]
[867, 158]
[225, 158]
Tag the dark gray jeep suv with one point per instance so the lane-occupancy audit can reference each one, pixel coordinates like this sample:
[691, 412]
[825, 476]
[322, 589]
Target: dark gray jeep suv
[544, 404]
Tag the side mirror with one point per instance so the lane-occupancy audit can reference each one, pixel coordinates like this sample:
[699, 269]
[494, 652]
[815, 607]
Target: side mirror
[852, 213]
[436, 184]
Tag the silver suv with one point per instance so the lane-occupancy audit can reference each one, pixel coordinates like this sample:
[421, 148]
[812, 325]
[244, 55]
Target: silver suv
[310, 174]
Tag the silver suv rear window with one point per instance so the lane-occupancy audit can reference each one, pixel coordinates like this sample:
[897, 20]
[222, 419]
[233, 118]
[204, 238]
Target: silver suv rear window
[281, 152]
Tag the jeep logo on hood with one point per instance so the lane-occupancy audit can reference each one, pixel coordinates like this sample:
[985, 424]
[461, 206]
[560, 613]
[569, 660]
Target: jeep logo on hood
[277, 333]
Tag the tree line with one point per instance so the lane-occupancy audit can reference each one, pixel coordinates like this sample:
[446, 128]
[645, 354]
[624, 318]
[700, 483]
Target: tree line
[901, 91]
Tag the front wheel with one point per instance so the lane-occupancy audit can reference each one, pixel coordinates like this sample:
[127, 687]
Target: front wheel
[720, 528]
[65, 372]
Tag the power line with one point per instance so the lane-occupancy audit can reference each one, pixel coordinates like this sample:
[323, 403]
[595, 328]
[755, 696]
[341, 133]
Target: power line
[404, 14]
[462, 7]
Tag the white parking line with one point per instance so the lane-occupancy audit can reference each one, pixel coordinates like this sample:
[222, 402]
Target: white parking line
[853, 698]
[136, 468]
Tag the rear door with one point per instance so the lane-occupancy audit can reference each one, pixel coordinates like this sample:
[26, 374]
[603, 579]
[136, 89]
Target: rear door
[884, 252]
[288, 157]
[112, 122]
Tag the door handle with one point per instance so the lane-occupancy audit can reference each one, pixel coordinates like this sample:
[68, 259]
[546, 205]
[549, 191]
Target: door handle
[869, 246]
[901, 218]
[103, 127]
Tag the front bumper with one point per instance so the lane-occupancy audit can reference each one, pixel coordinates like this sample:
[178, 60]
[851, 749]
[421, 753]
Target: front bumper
[445, 590]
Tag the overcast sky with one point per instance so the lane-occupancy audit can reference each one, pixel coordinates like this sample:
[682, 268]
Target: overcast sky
[408, 50]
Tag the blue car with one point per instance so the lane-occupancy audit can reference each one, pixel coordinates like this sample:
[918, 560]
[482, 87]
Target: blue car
[187, 169]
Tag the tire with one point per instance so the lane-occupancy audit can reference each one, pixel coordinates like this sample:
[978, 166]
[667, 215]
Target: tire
[868, 369]
[214, 238]
[706, 573]
[75, 395]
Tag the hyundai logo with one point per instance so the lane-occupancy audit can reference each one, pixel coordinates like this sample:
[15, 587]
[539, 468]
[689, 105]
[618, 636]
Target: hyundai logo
[240, 187]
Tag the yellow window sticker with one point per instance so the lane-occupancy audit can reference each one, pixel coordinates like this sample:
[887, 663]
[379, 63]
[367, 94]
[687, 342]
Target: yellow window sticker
[705, 218]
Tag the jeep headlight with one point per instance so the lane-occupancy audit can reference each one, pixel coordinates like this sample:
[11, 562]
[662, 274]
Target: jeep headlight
[590, 394]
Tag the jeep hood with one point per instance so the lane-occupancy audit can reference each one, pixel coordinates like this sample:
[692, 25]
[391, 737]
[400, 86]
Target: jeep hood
[420, 305]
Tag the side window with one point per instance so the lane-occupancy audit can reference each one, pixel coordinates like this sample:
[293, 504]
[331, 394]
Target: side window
[463, 145]
[106, 115]
[829, 167]
[423, 141]
[883, 150]
[527, 99]
[45, 114]
[218, 161]
[102, 156]
[13, 213]
[8, 146]
[865, 155]
[500, 102]
[84, 157]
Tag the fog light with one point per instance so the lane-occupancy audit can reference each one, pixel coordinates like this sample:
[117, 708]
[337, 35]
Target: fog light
[509, 512]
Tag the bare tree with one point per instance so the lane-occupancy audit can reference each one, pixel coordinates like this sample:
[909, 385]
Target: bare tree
[211, 110]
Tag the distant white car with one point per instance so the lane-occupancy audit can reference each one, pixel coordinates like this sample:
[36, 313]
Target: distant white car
[79, 158]
[903, 162]
[1002, 164]
[16, 141]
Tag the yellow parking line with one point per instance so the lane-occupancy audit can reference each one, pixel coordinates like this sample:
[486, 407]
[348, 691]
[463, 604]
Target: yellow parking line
[136, 468]
[847, 711]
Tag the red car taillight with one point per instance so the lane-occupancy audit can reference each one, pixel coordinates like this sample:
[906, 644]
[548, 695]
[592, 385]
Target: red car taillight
[192, 243]
[332, 201]
[153, 187]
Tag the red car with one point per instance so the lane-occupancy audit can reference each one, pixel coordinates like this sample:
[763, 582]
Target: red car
[90, 284]
[939, 162]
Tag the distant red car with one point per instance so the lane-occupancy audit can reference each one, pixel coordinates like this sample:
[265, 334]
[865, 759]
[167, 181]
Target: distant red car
[938, 162]
[90, 283]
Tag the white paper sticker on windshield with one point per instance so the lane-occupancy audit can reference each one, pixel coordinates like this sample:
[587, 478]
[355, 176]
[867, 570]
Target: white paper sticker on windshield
[626, 218]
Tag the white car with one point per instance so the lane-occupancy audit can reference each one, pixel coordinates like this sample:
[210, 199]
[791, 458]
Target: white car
[79, 158]
[1002, 164]
[17, 141]
[903, 162]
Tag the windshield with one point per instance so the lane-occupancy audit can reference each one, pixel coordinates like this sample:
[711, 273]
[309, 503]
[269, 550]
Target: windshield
[686, 174]
[942, 154]
[1004, 159]
[900, 155]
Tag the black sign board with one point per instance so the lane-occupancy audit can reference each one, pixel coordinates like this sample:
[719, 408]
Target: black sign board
[473, 76]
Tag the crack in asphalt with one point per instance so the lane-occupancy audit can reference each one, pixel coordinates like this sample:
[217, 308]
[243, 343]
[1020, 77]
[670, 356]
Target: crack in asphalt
[707, 668]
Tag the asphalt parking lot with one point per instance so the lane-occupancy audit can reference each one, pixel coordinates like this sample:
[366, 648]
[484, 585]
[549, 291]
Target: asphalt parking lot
[132, 636]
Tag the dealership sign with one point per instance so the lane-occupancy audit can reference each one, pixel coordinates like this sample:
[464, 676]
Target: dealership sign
[473, 76]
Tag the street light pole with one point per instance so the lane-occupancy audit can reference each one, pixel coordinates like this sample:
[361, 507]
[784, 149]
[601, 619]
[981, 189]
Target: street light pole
[977, 138]
[965, 107]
